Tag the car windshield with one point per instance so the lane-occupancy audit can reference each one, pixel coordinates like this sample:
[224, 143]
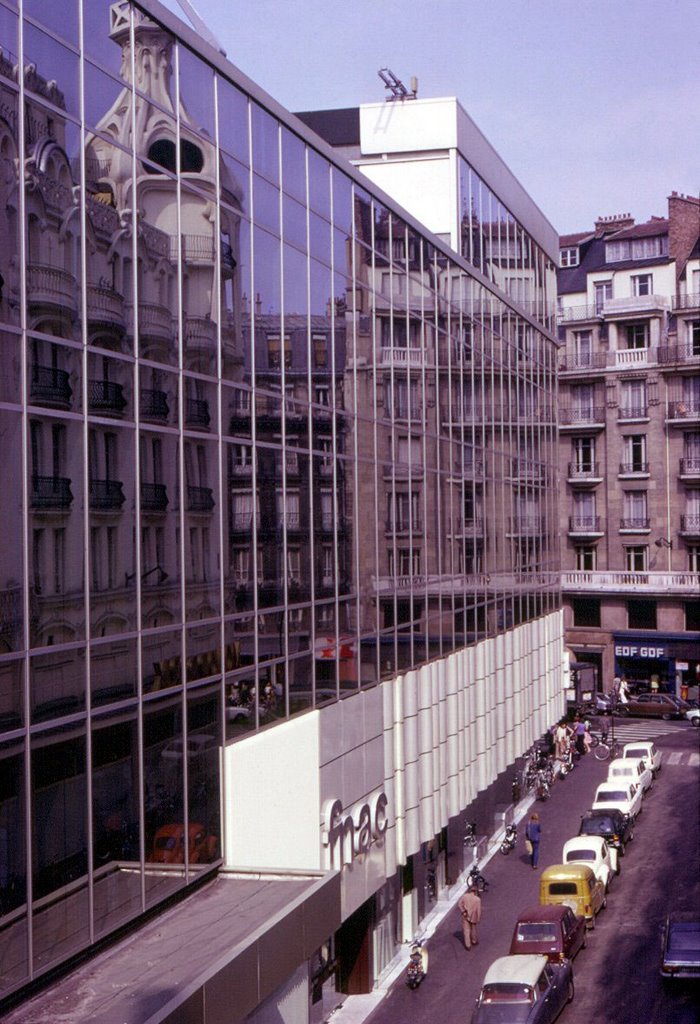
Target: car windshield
[684, 938]
[536, 932]
[597, 826]
[580, 855]
[505, 1003]
[611, 794]
[562, 888]
[638, 752]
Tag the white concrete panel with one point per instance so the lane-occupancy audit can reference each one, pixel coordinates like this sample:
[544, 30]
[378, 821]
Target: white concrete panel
[421, 187]
[429, 124]
[273, 791]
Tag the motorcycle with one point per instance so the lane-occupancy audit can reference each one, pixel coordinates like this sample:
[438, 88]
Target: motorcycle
[470, 836]
[417, 963]
[475, 879]
[510, 839]
[542, 788]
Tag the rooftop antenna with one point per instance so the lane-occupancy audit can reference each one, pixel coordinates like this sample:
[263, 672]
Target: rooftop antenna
[396, 87]
[198, 24]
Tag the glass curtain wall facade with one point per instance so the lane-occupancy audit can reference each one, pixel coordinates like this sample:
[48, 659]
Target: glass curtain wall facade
[265, 444]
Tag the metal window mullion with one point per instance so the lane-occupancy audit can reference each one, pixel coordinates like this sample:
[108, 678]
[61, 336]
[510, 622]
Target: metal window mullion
[284, 615]
[310, 433]
[253, 422]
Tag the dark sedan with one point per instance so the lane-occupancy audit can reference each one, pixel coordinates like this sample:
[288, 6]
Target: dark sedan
[680, 954]
[657, 705]
[612, 825]
[555, 931]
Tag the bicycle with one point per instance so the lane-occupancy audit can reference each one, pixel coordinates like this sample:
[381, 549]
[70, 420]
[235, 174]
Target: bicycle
[607, 749]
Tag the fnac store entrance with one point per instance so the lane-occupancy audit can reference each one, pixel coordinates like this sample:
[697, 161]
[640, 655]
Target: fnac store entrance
[353, 949]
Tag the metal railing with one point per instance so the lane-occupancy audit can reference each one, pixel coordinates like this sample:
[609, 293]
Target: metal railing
[690, 524]
[584, 524]
[106, 494]
[200, 499]
[50, 386]
[154, 497]
[570, 416]
[51, 492]
[105, 396]
[154, 404]
[634, 523]
[607, 582]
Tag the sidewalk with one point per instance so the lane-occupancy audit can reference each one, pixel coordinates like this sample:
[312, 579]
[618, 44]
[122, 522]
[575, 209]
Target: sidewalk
[356, 1009]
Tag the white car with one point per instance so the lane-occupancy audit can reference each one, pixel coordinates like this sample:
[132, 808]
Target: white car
[693, 716]
[593, 851]
[197, 743]
[647, 751]
[620, 795]
[633, 769]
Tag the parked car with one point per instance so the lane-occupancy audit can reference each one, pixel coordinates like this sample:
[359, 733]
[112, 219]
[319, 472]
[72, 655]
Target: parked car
[197, 743]
[613, 826]
[524, 989]
[556, 931]
[633, 769]
[647, 751]
[169, 845]
[657, 705]
[680, 947]
[593, 851]
[575, 886]
[621, 795]
[693, 716]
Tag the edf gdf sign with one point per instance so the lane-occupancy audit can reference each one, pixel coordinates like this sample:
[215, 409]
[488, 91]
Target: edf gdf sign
[633, 651]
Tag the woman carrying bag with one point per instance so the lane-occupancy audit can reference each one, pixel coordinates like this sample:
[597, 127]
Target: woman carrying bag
[533, 834]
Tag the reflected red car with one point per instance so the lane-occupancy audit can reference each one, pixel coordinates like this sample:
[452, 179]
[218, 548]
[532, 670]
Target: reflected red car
[169, 845]
[556, 931]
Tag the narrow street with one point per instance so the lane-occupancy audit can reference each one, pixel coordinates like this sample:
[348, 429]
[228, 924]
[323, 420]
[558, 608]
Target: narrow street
[627, 934]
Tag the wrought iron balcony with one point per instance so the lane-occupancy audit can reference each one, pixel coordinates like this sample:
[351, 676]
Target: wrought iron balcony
[51, 287]
[634, 468]
[154, 405]
[155, 322]
[49, 386]
[106, 396]
[154, 497]
[586, 473]
[635, 523]
[197, 412]
[574, 416]
[106, 495]
[526, 526]
[690, 524]
[633, 412]
[689, 352]
[577, 314]
[584, 524]
[690, 465]
[105, 306]
[690, 301]
[51, 493]
[200, 499]
[200, 333]
[582, 361]
[683, 409]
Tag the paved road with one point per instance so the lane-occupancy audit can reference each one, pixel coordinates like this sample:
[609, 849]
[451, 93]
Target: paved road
[617, 975]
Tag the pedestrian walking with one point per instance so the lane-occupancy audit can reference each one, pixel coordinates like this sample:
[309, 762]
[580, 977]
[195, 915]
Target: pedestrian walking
[533, 834]
[470, 909]
[561, 740]
[579, 733]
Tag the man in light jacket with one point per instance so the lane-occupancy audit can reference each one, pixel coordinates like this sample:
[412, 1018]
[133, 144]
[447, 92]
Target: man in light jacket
[470, 909]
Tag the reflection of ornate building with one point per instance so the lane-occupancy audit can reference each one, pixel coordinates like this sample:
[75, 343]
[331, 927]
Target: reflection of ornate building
[629, 321]
[277, 502]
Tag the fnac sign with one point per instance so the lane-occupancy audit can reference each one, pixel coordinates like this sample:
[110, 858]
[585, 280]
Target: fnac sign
[348, 834]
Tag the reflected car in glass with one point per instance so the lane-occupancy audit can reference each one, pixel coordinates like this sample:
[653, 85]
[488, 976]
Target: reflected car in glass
[524, 989]
[556, 931]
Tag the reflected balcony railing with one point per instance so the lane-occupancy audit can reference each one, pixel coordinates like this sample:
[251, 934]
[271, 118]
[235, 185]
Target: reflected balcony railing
[635, 523]
[526, 525]
[689, 465]
[51, 287]
[197, 412]
[242, 522]
[690, 524]
[50, 386]
[154, 497]
[154, 405]
[106, 396]
[155, 321]
[106, 495]
[200, 333]
[51, 493]
[200, 499]
[105, 306]
[394, 355]
[584, 524]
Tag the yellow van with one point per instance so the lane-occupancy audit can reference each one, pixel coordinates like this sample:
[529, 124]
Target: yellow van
[575, 886]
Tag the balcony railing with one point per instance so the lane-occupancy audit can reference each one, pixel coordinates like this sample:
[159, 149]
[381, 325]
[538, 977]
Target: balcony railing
[106, 495]
[582, 360]
[584, 474]
[633, 468]
[49, 386]
[575, 314]
[631, 358]
[200, 333]
[397, 356]
[526, 526]
[690, 524]
[51, 493]
[197, 412]
[633, 412]
[105, 306]
[154, 405]
[690, 301]
[621, 582]
[690, 465]
[155, 322]
[688, 352]
[634, 304]
[106, 396]
[200, 499]
[683, 409]
[154, 497]
[635, 523]
[584, 524]
[572, 416]
[51, 286]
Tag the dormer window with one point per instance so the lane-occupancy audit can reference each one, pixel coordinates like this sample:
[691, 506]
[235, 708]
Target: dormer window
[636, 249]
[568, 257]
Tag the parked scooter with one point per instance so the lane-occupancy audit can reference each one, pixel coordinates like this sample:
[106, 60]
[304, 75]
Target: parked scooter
[567, 764]
[509, 839]
[417, 963]
[475, 880]
[542, 787]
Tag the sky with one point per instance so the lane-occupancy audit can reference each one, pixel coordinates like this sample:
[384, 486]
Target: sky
[593, 104]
